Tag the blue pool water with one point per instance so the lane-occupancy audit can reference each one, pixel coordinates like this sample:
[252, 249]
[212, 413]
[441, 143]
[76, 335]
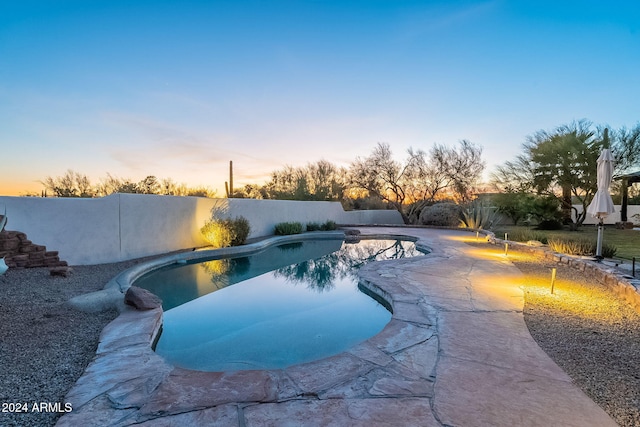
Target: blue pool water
[286, 305]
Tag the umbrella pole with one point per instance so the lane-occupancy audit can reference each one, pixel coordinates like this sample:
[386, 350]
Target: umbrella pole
[599, 244]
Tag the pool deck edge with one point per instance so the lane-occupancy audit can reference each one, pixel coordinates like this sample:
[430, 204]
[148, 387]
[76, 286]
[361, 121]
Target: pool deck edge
[456, 352]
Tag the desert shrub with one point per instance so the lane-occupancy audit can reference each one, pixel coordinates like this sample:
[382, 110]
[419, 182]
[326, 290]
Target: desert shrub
[441, 214]
[580, 247]
[325, 226]
[328, 226]
[224, 232]
[313, 226]
[286, 228]
[241, 230]
[608, 251]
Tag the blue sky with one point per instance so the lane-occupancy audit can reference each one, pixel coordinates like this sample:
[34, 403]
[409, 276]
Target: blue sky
[178, 88]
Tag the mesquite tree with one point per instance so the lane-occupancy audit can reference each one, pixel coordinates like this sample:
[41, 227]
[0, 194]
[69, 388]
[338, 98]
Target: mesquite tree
[422, 178]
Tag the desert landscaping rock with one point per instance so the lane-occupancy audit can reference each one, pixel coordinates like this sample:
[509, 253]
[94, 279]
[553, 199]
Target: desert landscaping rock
[60, 271]
[141, 299]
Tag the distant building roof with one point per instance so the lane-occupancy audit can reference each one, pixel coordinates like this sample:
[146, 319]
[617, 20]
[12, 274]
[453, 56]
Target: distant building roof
[630, 177]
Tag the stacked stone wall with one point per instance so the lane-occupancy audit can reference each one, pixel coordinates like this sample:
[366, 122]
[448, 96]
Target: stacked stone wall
[20, 252]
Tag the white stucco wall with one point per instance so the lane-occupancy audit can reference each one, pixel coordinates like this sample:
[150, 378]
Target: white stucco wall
[372, 217]
[614, 217]
[127, 226]
[83, 231]
[265, 214]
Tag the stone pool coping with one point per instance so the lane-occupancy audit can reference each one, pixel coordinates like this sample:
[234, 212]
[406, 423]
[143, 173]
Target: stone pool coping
[456, 352]
[111, 295]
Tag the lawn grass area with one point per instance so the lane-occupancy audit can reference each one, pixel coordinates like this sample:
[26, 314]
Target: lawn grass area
[627, 242]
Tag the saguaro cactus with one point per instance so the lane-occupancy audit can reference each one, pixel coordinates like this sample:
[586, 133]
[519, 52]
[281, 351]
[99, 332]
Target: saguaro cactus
[228, 186]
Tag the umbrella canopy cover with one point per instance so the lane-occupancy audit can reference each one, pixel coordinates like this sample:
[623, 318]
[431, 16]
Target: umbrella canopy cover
[602, 205]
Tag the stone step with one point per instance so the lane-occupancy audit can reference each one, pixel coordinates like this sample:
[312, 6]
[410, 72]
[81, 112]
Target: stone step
[18, 257]
[36, 263]
[55, 263]
[9, 244]
[36, 256]
[32, 248]
[20, 252]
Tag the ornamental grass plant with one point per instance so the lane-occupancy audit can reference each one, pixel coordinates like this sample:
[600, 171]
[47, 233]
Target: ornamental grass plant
[580, 247]
[286, 228]
[225, 232]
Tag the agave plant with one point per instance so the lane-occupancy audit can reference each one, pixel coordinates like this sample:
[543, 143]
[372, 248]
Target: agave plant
[479, 217]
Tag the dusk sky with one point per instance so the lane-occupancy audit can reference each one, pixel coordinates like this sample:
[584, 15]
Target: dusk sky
[176, 89]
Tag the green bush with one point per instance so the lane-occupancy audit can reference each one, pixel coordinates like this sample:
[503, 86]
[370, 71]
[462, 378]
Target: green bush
[221, 233]
[286, 228]
[313, 226]
[546, 210]
[441, 214]
[514, 205]
[580, 247]
[328, 226]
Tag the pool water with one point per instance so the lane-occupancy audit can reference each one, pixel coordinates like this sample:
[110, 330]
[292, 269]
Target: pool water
[286, 305]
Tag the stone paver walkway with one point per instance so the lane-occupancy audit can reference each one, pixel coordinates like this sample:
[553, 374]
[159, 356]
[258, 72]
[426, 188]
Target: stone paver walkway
[456, 353]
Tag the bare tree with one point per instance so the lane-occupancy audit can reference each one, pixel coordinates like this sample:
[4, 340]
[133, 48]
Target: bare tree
[74, 184]
[71, 184]
[459, 170]
[626, 149]
[384, 177]
[112, 184]
[513, 176]
[315, 181]
[422, 178]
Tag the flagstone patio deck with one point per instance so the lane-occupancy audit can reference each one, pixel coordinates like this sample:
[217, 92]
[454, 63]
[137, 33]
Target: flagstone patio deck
[457, 352]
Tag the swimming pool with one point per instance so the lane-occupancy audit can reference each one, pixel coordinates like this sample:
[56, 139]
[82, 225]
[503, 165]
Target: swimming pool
[289, 304]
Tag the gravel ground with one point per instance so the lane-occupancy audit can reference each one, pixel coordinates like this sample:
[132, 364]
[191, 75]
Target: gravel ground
[593, 335]
[45, 346]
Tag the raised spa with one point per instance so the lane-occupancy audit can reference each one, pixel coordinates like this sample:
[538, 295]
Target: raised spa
[286, 305]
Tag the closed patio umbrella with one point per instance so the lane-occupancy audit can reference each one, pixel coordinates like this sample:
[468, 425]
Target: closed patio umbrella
[602, 206]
